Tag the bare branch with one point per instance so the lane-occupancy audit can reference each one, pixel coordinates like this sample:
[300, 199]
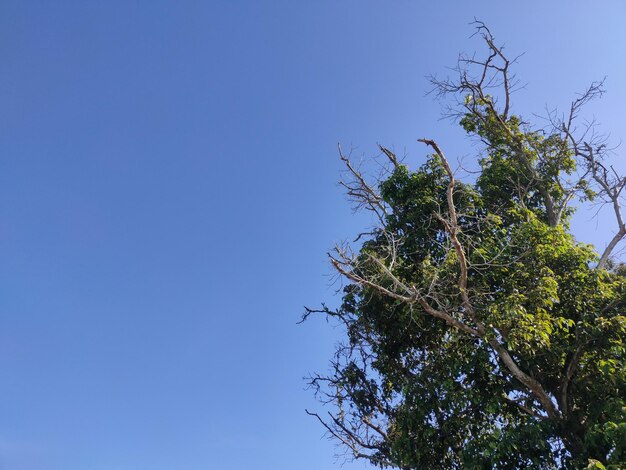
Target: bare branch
[452, 225]
[361, 192]
[390, 155]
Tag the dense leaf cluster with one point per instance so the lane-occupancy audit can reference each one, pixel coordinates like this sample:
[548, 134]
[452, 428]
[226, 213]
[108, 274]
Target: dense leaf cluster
[446, 394]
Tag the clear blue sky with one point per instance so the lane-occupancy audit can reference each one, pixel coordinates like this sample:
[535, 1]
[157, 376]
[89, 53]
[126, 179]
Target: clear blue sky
[168, 191]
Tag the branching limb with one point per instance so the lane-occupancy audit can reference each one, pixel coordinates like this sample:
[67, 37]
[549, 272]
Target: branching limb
[361, 192]
[570, 370]
[390, 155]
[609, 183]
[350, 439]
[525, 409]
[452, 226]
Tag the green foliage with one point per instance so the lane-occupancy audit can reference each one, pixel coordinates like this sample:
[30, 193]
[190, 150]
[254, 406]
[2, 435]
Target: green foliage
[480, 332]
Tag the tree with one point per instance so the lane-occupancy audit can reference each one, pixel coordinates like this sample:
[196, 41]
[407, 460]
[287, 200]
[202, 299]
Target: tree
[479, 332]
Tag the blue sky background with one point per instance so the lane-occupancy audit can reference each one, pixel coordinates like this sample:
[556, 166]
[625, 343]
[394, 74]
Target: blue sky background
[168, 192]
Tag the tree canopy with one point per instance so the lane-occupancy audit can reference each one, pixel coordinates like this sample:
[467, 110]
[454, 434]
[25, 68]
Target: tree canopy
[479, 332]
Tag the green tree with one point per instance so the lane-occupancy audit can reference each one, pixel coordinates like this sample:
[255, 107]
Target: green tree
[479, 332]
